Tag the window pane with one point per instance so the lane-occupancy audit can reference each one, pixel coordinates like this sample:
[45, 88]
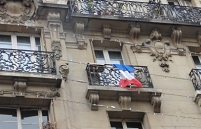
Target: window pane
[5, 38]
[30, 119]
[115, 57]
[30, 126]
[5, 41]
[99, 54]
[8, 125]
[116, 125]
[37, 40]
[197, 62]
[134, 125]
[23, 40]
[23, 43]
[38, 46]
[8, 118]
[45, 116]
[99, 57]
[8, 115]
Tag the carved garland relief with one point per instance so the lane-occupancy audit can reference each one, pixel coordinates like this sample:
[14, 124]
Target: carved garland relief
[16, 11]
[161, 50]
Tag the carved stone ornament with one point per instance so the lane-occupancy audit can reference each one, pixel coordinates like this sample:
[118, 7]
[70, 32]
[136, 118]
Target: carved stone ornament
[64, 2]
[125, 102]
[64, 70]
[155, 35]
[56, 47]
[20, 88]
[176, 36]
[199, 37]
[19, 12]
[53, 16]
[79, 29]
[134, 32]
[94, 100]
[156, 102]
[106, 31]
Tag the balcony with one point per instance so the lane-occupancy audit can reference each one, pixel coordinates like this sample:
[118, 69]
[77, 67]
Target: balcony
[104, 84]
[136, 11]
[195, 76]
[33, 67]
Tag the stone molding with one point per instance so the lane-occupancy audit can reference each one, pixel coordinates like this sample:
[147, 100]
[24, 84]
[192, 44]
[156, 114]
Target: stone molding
[24, 11]
[106, 31]
[134, 32]
[56, 47]
[64, 70]
[125, 102]
[176, 36]
[20, 88]
[63, 2]
[53, 17]
[94, 100]
[156, 102]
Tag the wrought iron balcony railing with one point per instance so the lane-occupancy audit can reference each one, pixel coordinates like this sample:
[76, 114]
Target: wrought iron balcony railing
[195, 76]
[27, 61]
[137, 10]
[106, 75]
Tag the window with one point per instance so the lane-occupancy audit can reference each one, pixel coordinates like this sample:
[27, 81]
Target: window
[196, 58]
[108, 57]
[20, 42]
[125, 125]
[22, 118]
[173, 2]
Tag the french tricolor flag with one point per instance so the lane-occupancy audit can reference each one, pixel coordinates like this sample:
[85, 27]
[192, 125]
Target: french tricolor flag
[127, 75]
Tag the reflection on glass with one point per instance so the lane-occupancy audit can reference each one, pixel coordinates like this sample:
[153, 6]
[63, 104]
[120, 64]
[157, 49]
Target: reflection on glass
[30, 119]
[23, 43]
[99, 57]
[45, 116]
[8, 119]
[134, 125]
[116, 125]
[197, 62]
[38, 46]
[5, 41]
[115, 57]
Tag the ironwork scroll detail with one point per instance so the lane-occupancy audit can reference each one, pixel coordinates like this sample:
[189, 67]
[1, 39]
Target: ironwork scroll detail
[137, 10]
[16, 60]
[195, 76]
[106, 75]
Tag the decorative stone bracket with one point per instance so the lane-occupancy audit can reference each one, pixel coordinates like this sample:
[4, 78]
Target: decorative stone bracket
[20, 88]
[79, 29]
[176, 36]
[64, 70]
[156, 102]
[197, 98]
[56, 47]
[199, 37]
[106, 31]
[94, 100]
[134, 32]
[125, 102]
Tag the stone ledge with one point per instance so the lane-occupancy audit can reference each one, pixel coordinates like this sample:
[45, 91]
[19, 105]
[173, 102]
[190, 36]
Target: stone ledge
[113, 93]
[31, 79]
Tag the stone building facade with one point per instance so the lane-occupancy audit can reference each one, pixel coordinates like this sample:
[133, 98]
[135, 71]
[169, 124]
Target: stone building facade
[57, 56]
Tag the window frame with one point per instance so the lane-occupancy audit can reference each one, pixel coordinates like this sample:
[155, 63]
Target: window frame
[32, 38]
[19, 116]
[106, 54]
[199, 57]
[123, 121]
